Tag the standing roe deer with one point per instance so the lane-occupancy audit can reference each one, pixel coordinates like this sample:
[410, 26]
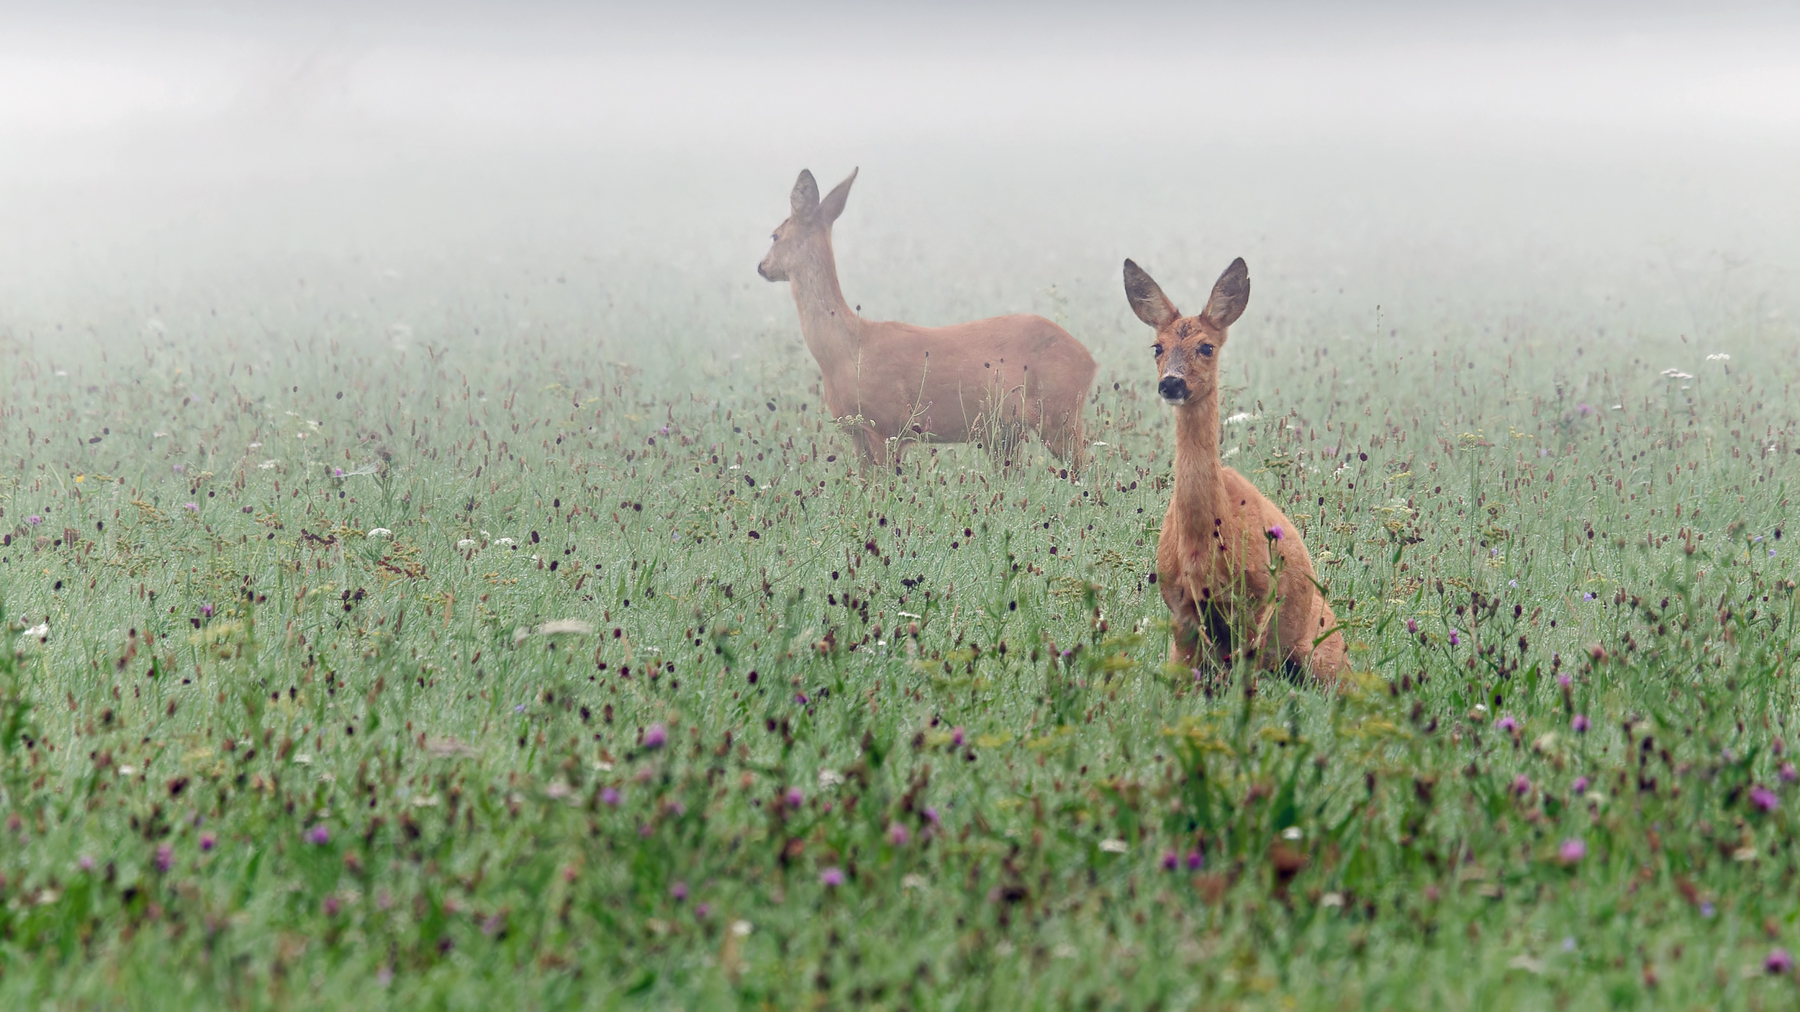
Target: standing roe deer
[905, 383]
[1213, 559]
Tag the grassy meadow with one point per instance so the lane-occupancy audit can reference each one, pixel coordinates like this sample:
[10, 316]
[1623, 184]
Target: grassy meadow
[518, 634]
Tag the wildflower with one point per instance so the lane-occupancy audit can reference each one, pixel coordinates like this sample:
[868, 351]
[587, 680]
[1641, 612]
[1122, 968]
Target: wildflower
[1521, 785]
[701, 910]
[337, 472]
[800, 697]
[1581, 785]
[1568, 943]
[656, 736]
[676, 808]
[679, 892]
[1274, 533]
[191, 506]
[179, 468]
[1764, 798]
[519, 709]
[793, 798]
[1564, 680]
[1579, 724]
[956, 737]
[319, 834]
[331, 906]
[1115, 846]
[1587, 597]
[379, 532]
[208, 841]
[1171, 861]
[1584, 409]
[1455, 640]
[832, 877]
[1195, 860]
[898, 835]
[1412, 626]
[1513, 584]
[1788, 774]
[466, 543]
[207, 610]
[610, 797]
[931, 816]
[34, 520]
[1507, 724]
[1778, 961]
[1707, 910]
[165, 857]
[384, 976]
[86, 863]
[1571, 851]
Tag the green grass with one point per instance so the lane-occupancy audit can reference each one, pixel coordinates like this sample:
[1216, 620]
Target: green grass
[263, 759]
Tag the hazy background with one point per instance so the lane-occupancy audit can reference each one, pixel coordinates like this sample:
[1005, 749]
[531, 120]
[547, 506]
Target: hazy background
[1629, 170]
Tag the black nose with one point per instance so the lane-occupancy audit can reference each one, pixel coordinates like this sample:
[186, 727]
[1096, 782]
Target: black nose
[764, 274]
[1173, 388]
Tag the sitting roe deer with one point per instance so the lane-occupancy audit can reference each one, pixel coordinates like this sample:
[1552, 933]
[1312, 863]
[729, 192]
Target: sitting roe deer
[895, 381]
[1213, 560]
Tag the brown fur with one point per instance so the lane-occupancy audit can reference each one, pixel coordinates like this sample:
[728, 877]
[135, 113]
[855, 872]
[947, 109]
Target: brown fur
[907, 383]
[1212, 560]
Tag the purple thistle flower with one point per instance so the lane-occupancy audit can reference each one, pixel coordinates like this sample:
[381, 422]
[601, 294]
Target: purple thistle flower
[1788, 774]
[832, 877]
[319, 834]
[800, 697]
[656, 736]
[1564, 681]
[679, 892]
[1412, 626]
[86, 863]
[208, 842]
[1274, 533]
[1581, 785]
[793, 798]
[1455, 640]
[1778, 961]
[898, 835]
[1587, 597]
[1571, 851]
[1521, 785]
[701, 910]
[676, 808]
[931, 816]
[34, 520]
[1579, 724]
[956, 737]
[1171, 861]
[1507, 724]
[1764, 798]
[165, 858]
[337, 472]
[1195, 860]
[610, 796]
[331, 906]
[207, 610]
[191, 506]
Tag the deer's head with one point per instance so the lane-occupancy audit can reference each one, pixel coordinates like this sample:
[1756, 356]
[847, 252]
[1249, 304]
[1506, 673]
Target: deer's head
[1187, 347]
[802, 234]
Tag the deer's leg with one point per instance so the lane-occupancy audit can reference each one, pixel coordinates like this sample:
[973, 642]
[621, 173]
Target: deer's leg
[873, 447]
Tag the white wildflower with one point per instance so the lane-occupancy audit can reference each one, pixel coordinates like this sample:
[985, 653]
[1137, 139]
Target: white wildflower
[380, 532]
[269, 465]
[38, 631]
[829, 779]
[505, 542]
[467, 543]
[1677, 374]
[1720, 357]
[1331, 900]
[1242, 416]
[1114, 846]
[742, 929]
[1292, 833]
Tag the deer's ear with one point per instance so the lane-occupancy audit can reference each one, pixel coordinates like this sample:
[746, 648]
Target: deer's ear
[1147, 299]
[805, 198]
[833, 204]
[1230, 294]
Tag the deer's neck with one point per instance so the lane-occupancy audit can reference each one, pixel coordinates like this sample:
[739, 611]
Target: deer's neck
[831, 330]
[1199, 485]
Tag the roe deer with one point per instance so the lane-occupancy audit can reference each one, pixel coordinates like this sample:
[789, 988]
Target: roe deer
[895, 381]
[1214, 558]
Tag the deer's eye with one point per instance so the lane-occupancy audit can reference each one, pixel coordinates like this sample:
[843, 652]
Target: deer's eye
[1206, 349]
[1156, 349]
